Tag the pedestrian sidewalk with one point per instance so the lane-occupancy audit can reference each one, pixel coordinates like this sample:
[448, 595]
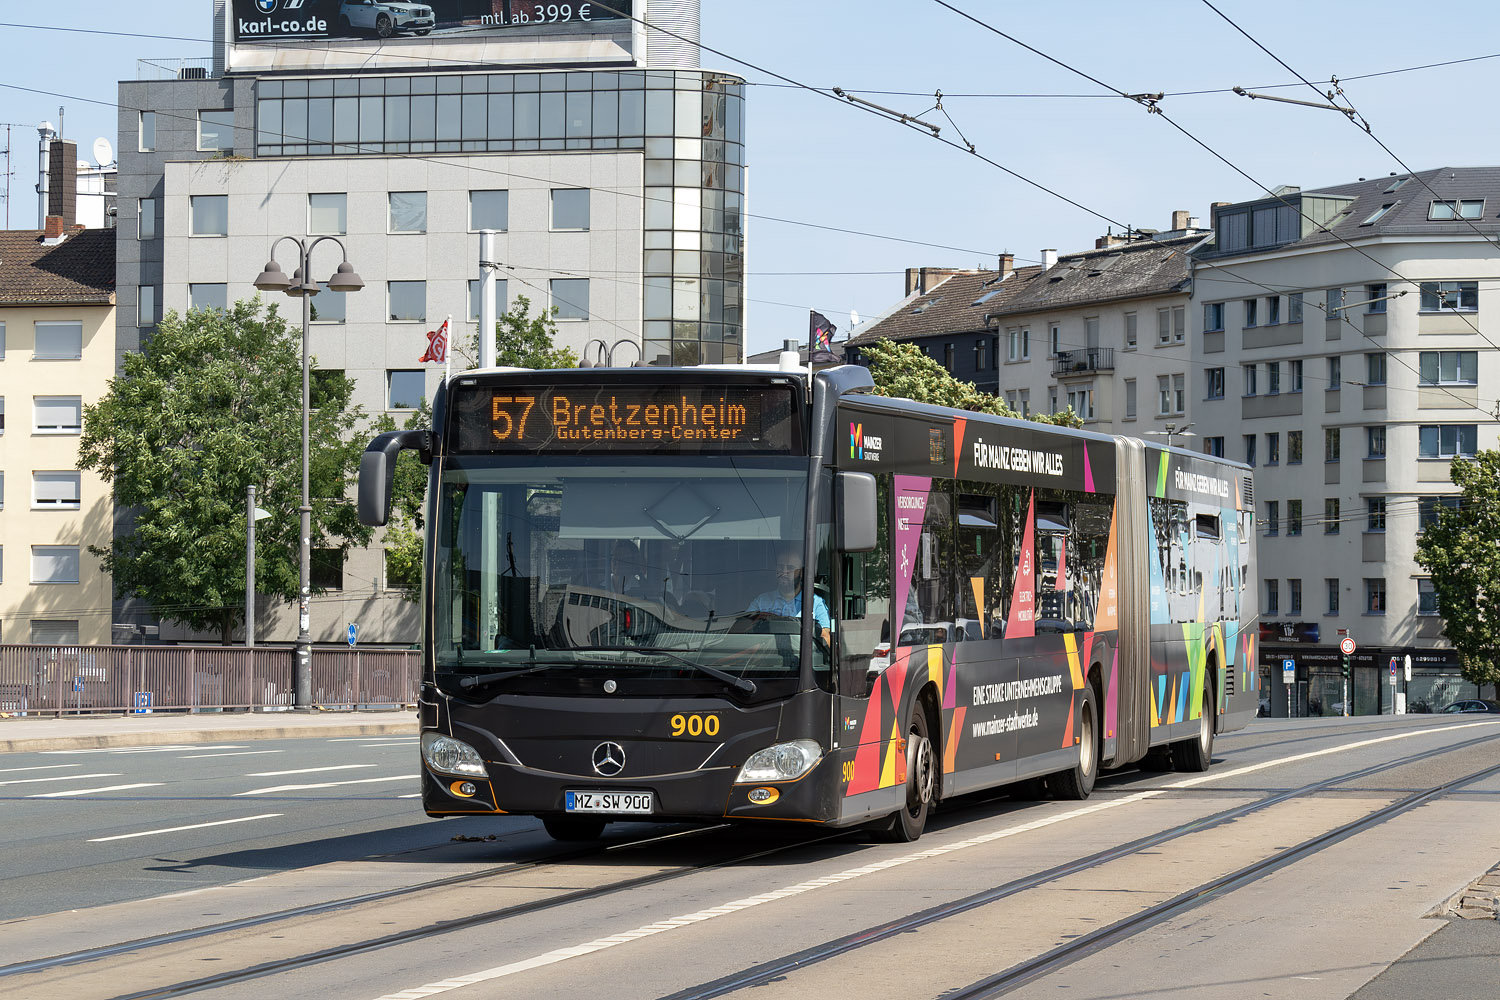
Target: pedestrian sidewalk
[87, 732]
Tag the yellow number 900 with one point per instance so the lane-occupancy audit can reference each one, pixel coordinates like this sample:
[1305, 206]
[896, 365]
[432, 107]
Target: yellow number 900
[695, 725]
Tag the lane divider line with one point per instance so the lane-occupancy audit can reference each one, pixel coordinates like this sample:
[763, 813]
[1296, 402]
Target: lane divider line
[175, 829]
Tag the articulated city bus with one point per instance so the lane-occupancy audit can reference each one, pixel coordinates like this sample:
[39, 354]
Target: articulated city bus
[618, 561]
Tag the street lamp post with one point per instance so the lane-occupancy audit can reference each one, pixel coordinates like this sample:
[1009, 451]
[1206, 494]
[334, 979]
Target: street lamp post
[1174, 431]
[273, 279]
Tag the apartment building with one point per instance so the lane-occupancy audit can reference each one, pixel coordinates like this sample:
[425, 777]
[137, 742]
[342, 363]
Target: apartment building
[1343, 345]
[607, 162]
[57, 327]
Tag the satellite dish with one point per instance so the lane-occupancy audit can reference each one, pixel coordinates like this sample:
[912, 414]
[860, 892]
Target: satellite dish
[104, 153]
[853, 318]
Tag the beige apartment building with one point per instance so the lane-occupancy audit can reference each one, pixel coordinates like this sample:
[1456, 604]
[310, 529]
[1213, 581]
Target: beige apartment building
[57, 353]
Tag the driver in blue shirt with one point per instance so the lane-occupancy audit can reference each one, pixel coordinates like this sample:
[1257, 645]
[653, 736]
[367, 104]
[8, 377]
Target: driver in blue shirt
[786, 599]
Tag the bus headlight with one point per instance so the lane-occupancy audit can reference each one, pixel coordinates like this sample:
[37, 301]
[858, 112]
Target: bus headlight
[782, 762]
[449, 756]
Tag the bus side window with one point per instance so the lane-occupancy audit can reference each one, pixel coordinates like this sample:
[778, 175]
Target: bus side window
[863, 605]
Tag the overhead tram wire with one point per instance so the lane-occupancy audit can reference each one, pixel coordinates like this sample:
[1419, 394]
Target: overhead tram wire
[1152, 105]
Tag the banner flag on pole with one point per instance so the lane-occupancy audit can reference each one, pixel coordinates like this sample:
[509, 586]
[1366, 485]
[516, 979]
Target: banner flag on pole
[820, 338]
[437, 344]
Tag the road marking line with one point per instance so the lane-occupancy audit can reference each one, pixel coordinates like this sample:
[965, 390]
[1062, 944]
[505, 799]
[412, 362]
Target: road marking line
[307, 770]
[232, 753]
[735, 906]
[59, 777]
[358, 739]
[91, 791]
[175, 829]
[326, 784]
[167, 748]
[38, 767]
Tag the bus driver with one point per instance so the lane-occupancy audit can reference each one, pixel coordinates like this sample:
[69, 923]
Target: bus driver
[786, 599]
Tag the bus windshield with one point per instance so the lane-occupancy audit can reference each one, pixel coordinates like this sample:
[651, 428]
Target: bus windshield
[554, 576]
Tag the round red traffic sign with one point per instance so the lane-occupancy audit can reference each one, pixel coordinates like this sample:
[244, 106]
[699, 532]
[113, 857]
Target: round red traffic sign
[1346, 646]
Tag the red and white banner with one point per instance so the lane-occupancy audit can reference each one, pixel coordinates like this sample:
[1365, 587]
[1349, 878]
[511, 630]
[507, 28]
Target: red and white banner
[437, 344]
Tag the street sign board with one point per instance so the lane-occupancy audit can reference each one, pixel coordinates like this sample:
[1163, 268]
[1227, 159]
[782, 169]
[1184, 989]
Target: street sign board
[1288, 670]
[353, 632]
[1346, 645]
[142, 703]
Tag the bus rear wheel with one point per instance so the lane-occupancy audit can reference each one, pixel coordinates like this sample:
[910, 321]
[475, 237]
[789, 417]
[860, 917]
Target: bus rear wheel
[908, 822]
[1197, 753]
[1078, 781]
[573, 827]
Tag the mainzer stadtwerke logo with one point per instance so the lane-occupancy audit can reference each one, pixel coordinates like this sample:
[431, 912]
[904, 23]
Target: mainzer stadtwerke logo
[862, 446]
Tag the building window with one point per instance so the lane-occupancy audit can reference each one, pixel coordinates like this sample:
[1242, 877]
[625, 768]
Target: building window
[1273, 517]
[401, 574]
[489, 210]
[405, 390]
[570, 297]
[1172, 393]
[215, 130]
[1251, 371]
[145, 306]
[1213, 317]
[501, 298]
[1013, 344]
[328, 214]
[326, 568]
[210, 214]
[1376, 215]
[1447, 440]
[1294, 596]
[1335, 372]
[1164, 326]
[56, 490]
[1130, 329]
[1375, 298]
[979, 358]
[1215, 383]
[1294, 375]
[57, 414]
[1025, 343]
[1251, 306]
[145, 226]
[407, 212]
[1273, 310]
[408, 301]
[1250, 440]
[1375, 442]
[1375, 596]
[1294, 307]
[570, 209]
[1023, 402]
[1273, 597]
[54, 633]
[1331, 516]
[1081, 402]
[1293, 447]
[327, 306]
[1214, 446]
[948, 357]
[1273, 377]
[1449, 368]
[1130, 399]
[1375, 369]
[1294, 517]
[1273, 448]
[1335, 303]
[210, 295]
[54, 564]
[1426, 597]
[1330, 444]
[1427, 509]
[1331, 585]
[1375, 513]
[147, 138]
[58, 341]
[1466, 208]
[1179, 324]
[1455, 296]
[1055, 339]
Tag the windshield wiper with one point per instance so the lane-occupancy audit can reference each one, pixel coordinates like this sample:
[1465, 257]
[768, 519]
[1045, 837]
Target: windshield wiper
[744, 684]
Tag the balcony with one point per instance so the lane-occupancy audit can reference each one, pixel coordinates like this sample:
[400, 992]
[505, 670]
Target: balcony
[1081, 363]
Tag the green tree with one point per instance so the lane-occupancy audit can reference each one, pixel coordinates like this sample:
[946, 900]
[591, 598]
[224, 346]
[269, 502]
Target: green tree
[1462, 555]
[212, 404]
[901, 369]
[523, 340]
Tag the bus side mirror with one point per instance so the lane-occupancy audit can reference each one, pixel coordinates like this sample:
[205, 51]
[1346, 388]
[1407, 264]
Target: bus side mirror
[856, 512]
[377, 472]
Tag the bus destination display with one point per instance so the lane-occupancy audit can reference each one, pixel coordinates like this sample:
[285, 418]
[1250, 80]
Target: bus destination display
[656, 418]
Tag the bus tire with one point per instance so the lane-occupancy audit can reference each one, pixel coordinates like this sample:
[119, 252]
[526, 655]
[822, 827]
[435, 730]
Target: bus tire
[1196, 754]
[573, 827]
[906, 824]
[1078, 781]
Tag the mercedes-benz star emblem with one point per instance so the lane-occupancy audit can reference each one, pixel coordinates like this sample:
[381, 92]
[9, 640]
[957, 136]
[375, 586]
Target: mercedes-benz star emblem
[609, 759]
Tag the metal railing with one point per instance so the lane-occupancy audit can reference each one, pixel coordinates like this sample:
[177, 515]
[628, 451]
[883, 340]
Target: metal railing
[1099, 359]
[191, 68]
[60, 680]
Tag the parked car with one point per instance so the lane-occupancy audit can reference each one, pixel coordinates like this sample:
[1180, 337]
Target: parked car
[1472, 705]
[383, 18]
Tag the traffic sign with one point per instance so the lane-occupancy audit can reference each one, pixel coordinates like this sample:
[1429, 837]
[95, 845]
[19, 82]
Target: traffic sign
[1346, 645]
[1288, 670]
[353, 632]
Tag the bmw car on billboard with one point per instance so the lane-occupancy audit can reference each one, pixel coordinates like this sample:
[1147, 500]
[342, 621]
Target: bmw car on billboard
[332, 20]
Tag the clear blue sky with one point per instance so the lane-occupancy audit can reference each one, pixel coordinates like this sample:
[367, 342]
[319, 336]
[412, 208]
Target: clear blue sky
[816, 160]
